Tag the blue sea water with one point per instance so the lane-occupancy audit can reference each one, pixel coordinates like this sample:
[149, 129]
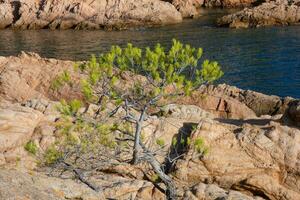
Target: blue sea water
[263, 59]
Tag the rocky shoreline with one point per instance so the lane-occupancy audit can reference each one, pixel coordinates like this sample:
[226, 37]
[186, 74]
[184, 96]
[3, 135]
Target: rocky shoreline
[102, 14]
[85, 14]
[270, 13]
[253, 141]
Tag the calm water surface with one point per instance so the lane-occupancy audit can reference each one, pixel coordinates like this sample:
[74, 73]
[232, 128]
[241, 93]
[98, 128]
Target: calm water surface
[263, 59]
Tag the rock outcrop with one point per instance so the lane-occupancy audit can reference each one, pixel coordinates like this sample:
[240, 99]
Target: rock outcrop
[17, 125]
[36, 186]
[36, 74]
[228, 3]
[260, 103]
[102, 14]
[192, 8]
[258, 157]
[29, 76]
[280, 12]
[213, 191]
[21, 185]
[231, 102]
[252, 151]
[85, 14]
[246, 159]
[188, 8]
[21, 123]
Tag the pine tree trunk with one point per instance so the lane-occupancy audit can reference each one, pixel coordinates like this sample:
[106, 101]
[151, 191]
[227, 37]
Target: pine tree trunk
[137, 150]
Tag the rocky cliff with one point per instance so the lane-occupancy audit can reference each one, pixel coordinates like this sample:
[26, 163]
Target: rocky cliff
[253, 141]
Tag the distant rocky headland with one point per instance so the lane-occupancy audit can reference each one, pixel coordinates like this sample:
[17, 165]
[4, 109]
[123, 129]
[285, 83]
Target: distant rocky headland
[253, 141]
[270, 13]
[121, 14]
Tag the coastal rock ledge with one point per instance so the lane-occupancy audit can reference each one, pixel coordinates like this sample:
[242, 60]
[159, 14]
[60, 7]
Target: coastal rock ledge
[252, 139]
[85, 14]
[270, 13]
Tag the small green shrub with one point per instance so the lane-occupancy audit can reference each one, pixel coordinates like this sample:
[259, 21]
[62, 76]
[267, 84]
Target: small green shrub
[104, 135]
[155, 178]
[200, 146]
[160, 142]
[52, 155]
[174, 142]
[182, 141]
[188, 141]
[194, 127]
[60, 80]
[69, 108]
[18, 160]
[31, 147]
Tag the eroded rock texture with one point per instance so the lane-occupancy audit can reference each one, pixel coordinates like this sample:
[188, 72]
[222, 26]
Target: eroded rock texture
[252, 142]
[85, 14]
[260, 157]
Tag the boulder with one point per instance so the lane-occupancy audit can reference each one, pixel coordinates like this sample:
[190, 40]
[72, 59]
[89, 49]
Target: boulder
[188, 8]
[17, 126]
[259, 103]
[6, 15]
[221, 106]
[28, 76]
[20, 124]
